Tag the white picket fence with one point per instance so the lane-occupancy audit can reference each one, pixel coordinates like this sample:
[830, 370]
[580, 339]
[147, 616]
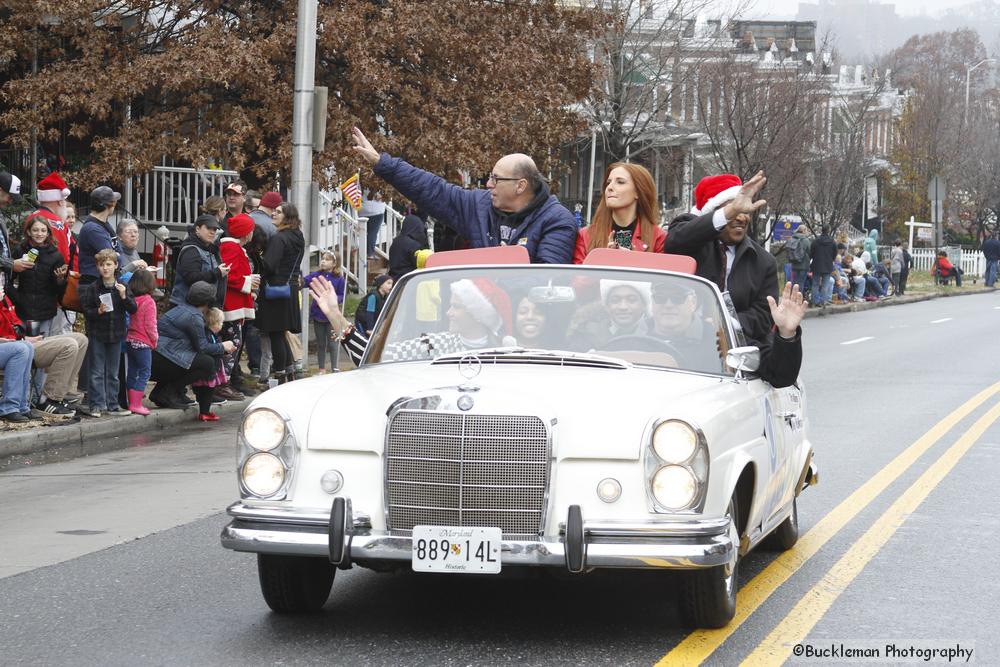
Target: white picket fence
[971, 260]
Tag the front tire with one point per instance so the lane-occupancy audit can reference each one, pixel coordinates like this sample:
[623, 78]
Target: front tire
[708, 597]
[294, 584]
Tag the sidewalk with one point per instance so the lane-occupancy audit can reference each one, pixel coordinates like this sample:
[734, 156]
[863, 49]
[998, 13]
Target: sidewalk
[60, 439]
[893, 301]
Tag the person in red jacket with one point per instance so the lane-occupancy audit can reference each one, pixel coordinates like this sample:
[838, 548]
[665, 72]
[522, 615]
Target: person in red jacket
[943, 268]
[239, 306]
[627, 216]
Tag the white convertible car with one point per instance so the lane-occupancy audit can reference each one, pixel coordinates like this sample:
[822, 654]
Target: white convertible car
[517, 415]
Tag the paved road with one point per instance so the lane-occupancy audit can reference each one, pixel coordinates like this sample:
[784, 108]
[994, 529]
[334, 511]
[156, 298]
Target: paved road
[900, 539]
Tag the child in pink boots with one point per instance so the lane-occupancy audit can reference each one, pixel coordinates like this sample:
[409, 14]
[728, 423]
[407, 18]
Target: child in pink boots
[141, 339]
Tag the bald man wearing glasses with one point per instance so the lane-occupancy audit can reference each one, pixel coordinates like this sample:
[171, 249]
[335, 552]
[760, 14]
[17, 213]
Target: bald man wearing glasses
[516, 207]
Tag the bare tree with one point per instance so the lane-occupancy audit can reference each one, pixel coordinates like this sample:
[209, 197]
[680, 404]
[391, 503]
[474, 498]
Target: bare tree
[761, 117]
[651, 51]
[835, 173]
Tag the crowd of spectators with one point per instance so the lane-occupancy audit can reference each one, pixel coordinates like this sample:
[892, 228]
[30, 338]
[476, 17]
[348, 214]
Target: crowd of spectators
[236, 273]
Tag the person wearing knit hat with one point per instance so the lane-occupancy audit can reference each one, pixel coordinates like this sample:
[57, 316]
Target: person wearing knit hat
[479, 311]
[238, 304]
[264, 213]
[627, 304]
[717, 239]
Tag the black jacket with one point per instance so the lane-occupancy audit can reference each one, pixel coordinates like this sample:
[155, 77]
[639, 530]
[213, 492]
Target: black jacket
[823, 252]
[991, 249]
[780, 359]
[753, 276]
[280, 266]
[412, 237]
[38, 292]
[105, 327]
[197, 260]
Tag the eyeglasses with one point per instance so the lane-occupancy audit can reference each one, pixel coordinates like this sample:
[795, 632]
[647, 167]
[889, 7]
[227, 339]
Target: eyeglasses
[234, 193]
[496, 179]
[675, 297]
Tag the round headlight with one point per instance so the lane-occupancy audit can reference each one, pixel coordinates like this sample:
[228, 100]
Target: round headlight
[263, 429]
[674, 442]
[674, 487]
[263, 474]
[609, 490]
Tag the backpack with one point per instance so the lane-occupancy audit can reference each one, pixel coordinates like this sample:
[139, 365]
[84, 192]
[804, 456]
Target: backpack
[796, 250]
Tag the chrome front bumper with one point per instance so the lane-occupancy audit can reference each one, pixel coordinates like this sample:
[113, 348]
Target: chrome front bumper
[649, 545]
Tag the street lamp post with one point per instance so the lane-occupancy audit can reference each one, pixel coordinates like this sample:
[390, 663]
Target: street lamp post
[968, 76]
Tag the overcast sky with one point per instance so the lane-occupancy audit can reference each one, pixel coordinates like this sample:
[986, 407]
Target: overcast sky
[789, 8]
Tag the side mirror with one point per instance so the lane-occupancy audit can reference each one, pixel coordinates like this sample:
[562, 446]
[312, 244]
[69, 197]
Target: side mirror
[743, 358]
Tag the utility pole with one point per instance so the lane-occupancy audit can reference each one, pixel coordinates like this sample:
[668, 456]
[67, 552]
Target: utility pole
[302, 141]
[968, 76]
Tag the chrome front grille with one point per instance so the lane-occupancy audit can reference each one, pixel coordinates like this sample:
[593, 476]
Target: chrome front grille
[456, 469]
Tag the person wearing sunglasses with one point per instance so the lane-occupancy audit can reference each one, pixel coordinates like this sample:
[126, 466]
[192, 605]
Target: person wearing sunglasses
[515, 208]
[674, 320]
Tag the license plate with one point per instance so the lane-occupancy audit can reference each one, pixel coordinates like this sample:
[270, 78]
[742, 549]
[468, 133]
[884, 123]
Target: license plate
[462, 550]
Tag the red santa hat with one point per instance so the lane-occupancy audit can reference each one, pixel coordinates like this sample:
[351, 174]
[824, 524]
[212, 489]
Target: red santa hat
[52, 188]
[487, 303]
[715, 191]
[240, 225]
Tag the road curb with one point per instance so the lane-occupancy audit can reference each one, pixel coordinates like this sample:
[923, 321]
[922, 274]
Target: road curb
[891, 301]
[77, 438]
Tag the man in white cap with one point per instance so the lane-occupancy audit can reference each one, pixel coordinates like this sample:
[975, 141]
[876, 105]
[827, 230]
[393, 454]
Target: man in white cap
[10, 192]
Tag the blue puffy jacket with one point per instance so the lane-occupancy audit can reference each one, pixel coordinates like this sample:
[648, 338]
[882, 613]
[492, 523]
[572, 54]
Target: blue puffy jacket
[182, 335]
[548, 233]
[94, 237]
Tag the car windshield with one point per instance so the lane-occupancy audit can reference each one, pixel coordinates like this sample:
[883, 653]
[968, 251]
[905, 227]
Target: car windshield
[643, 317]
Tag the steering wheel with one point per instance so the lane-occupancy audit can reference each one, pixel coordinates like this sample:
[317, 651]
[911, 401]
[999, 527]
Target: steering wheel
[643, 344]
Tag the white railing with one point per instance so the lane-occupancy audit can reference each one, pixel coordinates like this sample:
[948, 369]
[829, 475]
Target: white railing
[972, 261]
[339, 227]
[170, 197]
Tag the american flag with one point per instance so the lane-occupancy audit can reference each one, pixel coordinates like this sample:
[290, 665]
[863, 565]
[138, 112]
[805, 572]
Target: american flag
[352, 190]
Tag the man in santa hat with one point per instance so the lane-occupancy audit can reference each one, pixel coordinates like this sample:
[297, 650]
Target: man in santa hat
[52, 194]
[715, 235]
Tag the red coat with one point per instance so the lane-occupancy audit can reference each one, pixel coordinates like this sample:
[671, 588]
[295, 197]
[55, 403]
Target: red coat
[583, 240]
[10, 324]
[239, 303]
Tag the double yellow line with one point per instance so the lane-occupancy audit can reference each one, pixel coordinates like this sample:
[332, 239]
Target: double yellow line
[777, 646]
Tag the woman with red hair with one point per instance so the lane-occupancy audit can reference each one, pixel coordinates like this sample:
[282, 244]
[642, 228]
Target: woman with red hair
[627, 216]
